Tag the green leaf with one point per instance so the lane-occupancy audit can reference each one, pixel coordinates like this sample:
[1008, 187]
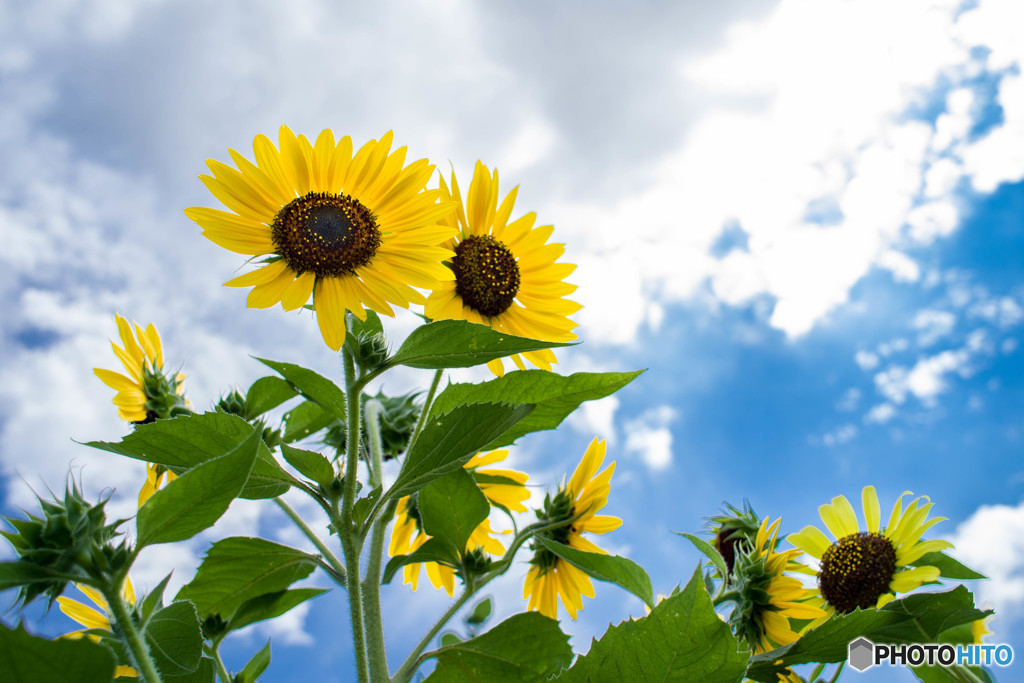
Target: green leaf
[271, 605]
[827, 643]
[240, 568]
[448, 441]
[312, 385]
[304, 420]
[197, 499]
[434, 550]
[175, 639]
[265, 394]
[204, 673]
[256, 666]
[184, 442]
[682, 639]
[154, 600]
[452, 507]
[480, 612]
[929, 614]
[449, 638]
[524, 647]
[709, 550]
[950, 567]
[553, 396]
[309, 464]
[621, 571]
[24, 657]
[461, 344]
[363, 505]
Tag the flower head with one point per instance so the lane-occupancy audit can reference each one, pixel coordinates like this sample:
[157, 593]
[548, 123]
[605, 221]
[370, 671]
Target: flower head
[146, 392]
[503, 489]
[350, 230]
[506, 274]
[863, 569]
[768, 598]
[576, 504]
[98, 619]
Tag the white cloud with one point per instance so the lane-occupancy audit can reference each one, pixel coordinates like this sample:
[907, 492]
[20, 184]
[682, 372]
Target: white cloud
[902, 267]
[932, 325]
[597, 418]
[840, 435]
[866, 360]
[880, 414]
[649, 437]
[849, 400]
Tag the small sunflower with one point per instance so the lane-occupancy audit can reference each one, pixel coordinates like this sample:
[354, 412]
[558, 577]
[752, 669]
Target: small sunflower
[155, 478]
[502, 488]
[350, 230]
[551, 577]
[91, 618]
[408, 535]
[146, 393]
[864, 569]
[768, 598]
[506, 274]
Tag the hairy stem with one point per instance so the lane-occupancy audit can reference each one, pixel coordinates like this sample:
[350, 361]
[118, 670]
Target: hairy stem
[371, 587]
[426, 407]
[222, 671]
[130, 635]
[335, 563]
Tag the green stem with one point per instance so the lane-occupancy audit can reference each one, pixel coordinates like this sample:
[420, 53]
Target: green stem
[129, 634]
[835, 674]
[411, 663]
[371, 585]
[726, 596]
[344, 525]
[222, 670]
[427, 404]
[311, 535]
[376, 464]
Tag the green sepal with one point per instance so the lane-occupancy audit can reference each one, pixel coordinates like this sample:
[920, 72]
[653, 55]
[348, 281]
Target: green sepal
[240, 568]
[621, 571]
[524, 647]
[312, 385]
[433, 550]
[682, 639]
[452, 507]
[461, 344]
[256, 666]
[24, 657]
[449, 440]
[196, 500]
[553, 396]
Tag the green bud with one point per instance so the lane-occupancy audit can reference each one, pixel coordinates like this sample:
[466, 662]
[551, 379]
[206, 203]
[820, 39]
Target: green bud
[750, 579]
[370, 350]
[474, 563]
[732, 528]
[398, 417]
[556, 510]
[233, 404]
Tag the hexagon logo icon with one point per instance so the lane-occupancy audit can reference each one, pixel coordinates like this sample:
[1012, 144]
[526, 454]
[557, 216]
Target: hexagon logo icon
[862, 654]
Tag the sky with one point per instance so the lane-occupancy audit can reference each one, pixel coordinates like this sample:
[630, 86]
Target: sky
[804, 217]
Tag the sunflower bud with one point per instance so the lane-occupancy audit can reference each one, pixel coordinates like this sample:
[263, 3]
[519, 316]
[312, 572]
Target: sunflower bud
[70, 541]
[370, 350]
[398, 418]
[475, 562]
[732, 529]
[233, 404]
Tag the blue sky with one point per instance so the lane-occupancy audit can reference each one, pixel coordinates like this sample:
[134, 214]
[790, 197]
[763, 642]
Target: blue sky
[805, 218]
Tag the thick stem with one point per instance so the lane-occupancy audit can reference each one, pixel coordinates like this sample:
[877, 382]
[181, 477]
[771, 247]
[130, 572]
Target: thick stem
[311, 535]
[344, 525]
[411, 663]
[130, 635]
[371, 587]
[222, 671]
[426, 407]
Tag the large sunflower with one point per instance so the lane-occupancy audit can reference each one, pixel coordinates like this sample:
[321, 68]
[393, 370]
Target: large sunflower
[92, 618]
[551, 577]
[350, 230]
[768, 598]
[863, 569]
[504, 489]
[506, 274]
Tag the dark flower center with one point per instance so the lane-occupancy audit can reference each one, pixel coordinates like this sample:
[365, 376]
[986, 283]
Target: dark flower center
[328, 234]
[856, 571]
[486, 275]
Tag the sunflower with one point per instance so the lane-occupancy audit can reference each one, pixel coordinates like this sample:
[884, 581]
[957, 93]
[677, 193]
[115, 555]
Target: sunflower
[350, 230]
[91, 618]
[503, 489]
[154, 479]
[577, 503]
[864, 569]
[768, 598]
[146, 392]
[505, 274]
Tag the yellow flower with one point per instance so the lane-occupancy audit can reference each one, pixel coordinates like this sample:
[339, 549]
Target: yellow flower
[154, 479]
[551, 577]
[92, 618]
[867, 568]
[350, 230]
[408, 534]
[769, 598]
[145, 393]
[505, 274]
